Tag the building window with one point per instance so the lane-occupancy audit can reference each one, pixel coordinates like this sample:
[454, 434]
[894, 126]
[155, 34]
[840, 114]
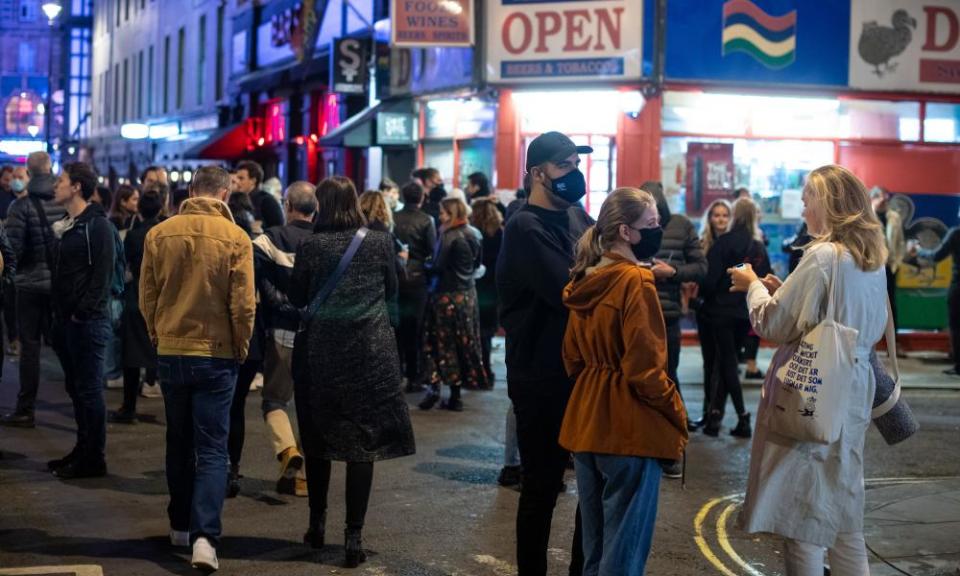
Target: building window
[29, 10]
[181, 47]
[219, 72]
[150, 76]
[140, 85]
[166, 74]
[126, 83]
[26, 58]
[202, 60]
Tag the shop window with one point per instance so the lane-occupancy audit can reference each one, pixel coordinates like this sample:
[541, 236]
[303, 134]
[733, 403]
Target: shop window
[29, 10]
[942, 123]
[789, 117]
[583, 112]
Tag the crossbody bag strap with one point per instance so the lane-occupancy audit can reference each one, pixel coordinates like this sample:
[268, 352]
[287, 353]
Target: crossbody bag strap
[45, 230]
[334, 278]
[891, 338]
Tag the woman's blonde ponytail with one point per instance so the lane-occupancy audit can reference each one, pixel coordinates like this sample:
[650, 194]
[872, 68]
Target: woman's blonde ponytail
[589, 252]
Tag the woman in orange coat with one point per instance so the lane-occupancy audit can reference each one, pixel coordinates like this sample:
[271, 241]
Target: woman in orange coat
[624, 413]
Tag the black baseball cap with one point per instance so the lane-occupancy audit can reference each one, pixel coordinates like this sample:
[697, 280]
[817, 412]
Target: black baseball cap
[552, 147]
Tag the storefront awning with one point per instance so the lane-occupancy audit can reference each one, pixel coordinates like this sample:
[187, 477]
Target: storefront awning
[360, 130]
[228, 143]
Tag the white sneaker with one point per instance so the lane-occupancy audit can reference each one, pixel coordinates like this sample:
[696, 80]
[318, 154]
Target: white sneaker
[114, 383]
[151, 391]
[204, 556]
[180, 539]
[257, 383]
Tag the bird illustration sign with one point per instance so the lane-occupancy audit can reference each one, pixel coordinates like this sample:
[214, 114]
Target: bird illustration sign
[905, 45]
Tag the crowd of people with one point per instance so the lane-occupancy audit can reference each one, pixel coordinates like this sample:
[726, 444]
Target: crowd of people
[342, 302]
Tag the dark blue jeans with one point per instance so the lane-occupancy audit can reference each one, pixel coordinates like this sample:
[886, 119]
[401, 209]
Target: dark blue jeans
[84, 351]
[197, 393]
[618, 502]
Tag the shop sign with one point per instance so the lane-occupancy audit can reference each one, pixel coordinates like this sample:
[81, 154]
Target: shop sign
[550, 41]
[709, 175]
[348, 65]
[905, 45]
[430, 23]
[395, 128]
[413, 71]
[759, 41]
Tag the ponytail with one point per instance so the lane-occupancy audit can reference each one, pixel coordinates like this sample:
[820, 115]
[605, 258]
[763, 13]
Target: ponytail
[589, 252]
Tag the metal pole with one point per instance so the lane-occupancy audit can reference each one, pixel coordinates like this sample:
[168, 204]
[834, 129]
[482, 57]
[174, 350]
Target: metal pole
[48, 112]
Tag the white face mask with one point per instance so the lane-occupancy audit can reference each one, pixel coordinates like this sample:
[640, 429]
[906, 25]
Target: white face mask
[17, 185]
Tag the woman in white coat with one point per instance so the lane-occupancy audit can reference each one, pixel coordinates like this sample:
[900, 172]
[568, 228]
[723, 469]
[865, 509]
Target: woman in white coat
[813, 494]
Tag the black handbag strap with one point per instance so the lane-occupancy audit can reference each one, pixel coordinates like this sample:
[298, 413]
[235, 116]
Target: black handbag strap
[334, 278]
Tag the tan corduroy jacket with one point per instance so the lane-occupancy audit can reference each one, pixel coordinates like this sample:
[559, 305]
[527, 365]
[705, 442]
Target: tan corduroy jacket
[196, 283]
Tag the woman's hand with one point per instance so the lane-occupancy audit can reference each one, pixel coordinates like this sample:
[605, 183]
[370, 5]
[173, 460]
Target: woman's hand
[741, 277]
[771, 283]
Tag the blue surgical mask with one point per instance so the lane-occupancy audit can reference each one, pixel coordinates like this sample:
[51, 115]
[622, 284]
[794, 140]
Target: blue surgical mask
[17, 185]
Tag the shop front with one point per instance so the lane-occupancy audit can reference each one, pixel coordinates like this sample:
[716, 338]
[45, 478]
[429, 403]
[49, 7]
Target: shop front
[777, 88]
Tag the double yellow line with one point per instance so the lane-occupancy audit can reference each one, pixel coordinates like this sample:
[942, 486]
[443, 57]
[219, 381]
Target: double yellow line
[731, 502]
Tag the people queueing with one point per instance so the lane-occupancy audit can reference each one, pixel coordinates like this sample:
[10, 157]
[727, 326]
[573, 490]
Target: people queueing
[241, 208]
[139, 352]
[813, 494]
[534, 263]
[679, 260]
[478, 187]
[18, 185]
[434, 189]
[417, 231]
[8, 268]
[487, 218]
[153, 176]
[452, 351]
[29, 228]
[123, 209]
[376, 210]
[725, 313]
[7, 194]
[81, 288]
[350, 407]
[267, 212]
[391, 193]
[950, 246]
[625, 412]
[197, 297]
[893, 236]
[275, 254]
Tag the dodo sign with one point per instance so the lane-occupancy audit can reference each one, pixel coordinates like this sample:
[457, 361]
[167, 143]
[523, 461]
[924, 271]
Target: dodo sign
[538, 40]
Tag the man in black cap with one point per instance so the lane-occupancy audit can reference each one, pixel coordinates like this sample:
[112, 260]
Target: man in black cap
[532, 270]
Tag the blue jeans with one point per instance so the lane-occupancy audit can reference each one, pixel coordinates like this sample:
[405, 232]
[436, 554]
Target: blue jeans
[114, 355]
[84, 349]
[618, 501]
[197, 394]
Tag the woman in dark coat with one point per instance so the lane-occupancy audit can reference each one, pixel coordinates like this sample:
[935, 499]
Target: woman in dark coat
[138, 350]
[487, 218]
[349, 404]
[452, 351]
[725, 312]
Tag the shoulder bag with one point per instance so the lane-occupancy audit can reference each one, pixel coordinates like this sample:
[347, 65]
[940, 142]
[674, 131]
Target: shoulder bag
[299, 366]
[810, 390]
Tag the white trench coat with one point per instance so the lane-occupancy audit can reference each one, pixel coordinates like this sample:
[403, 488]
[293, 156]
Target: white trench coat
[804, 491]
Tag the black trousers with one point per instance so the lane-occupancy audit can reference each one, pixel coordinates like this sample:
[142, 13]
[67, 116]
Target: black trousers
[539, 418]
[245, 375]
[709, 353]
[725, 333]
[953, 315]
[359, 485]
[674, 343]
[34, 317]
[413, 305]
[10, 311]
[892, 294]
[131, 386]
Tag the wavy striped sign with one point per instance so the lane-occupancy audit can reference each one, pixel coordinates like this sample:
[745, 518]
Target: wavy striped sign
[771, 40]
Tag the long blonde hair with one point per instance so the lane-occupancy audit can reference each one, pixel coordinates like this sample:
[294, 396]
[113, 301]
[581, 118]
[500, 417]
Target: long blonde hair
[707, 238]
[373, 204]
[848, 216]
[623, 206]
[745, 215]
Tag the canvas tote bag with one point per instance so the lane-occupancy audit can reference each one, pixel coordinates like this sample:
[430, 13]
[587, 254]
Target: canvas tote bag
[810, 390]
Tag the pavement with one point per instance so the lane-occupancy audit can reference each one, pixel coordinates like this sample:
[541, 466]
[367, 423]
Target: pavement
[440, 512]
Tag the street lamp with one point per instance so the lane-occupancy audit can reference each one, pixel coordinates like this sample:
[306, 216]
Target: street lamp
[51, 10]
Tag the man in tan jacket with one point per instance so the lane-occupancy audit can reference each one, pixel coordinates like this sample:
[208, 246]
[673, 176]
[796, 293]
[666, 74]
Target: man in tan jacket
[197, 298]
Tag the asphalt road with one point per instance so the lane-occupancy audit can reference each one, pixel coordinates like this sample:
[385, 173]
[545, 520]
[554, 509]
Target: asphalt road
[437, 513]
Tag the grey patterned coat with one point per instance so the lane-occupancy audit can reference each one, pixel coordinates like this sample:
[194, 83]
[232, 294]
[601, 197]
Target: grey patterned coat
[352, 408]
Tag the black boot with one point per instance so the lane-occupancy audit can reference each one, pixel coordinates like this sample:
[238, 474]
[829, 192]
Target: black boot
[314, 537]
[712, 427]
[743, 427]
[454, 403]
[353, 547]
[233, 481]
[433, 395]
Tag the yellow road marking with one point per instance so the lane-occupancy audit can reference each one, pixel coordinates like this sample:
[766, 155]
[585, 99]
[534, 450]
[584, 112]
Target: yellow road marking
[725, 542]
[702, 542]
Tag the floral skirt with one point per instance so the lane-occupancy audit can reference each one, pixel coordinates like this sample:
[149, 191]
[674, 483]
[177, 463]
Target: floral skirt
[452, 351]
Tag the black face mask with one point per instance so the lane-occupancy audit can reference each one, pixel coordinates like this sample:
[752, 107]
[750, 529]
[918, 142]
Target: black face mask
[649, 243]
[570, 187]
